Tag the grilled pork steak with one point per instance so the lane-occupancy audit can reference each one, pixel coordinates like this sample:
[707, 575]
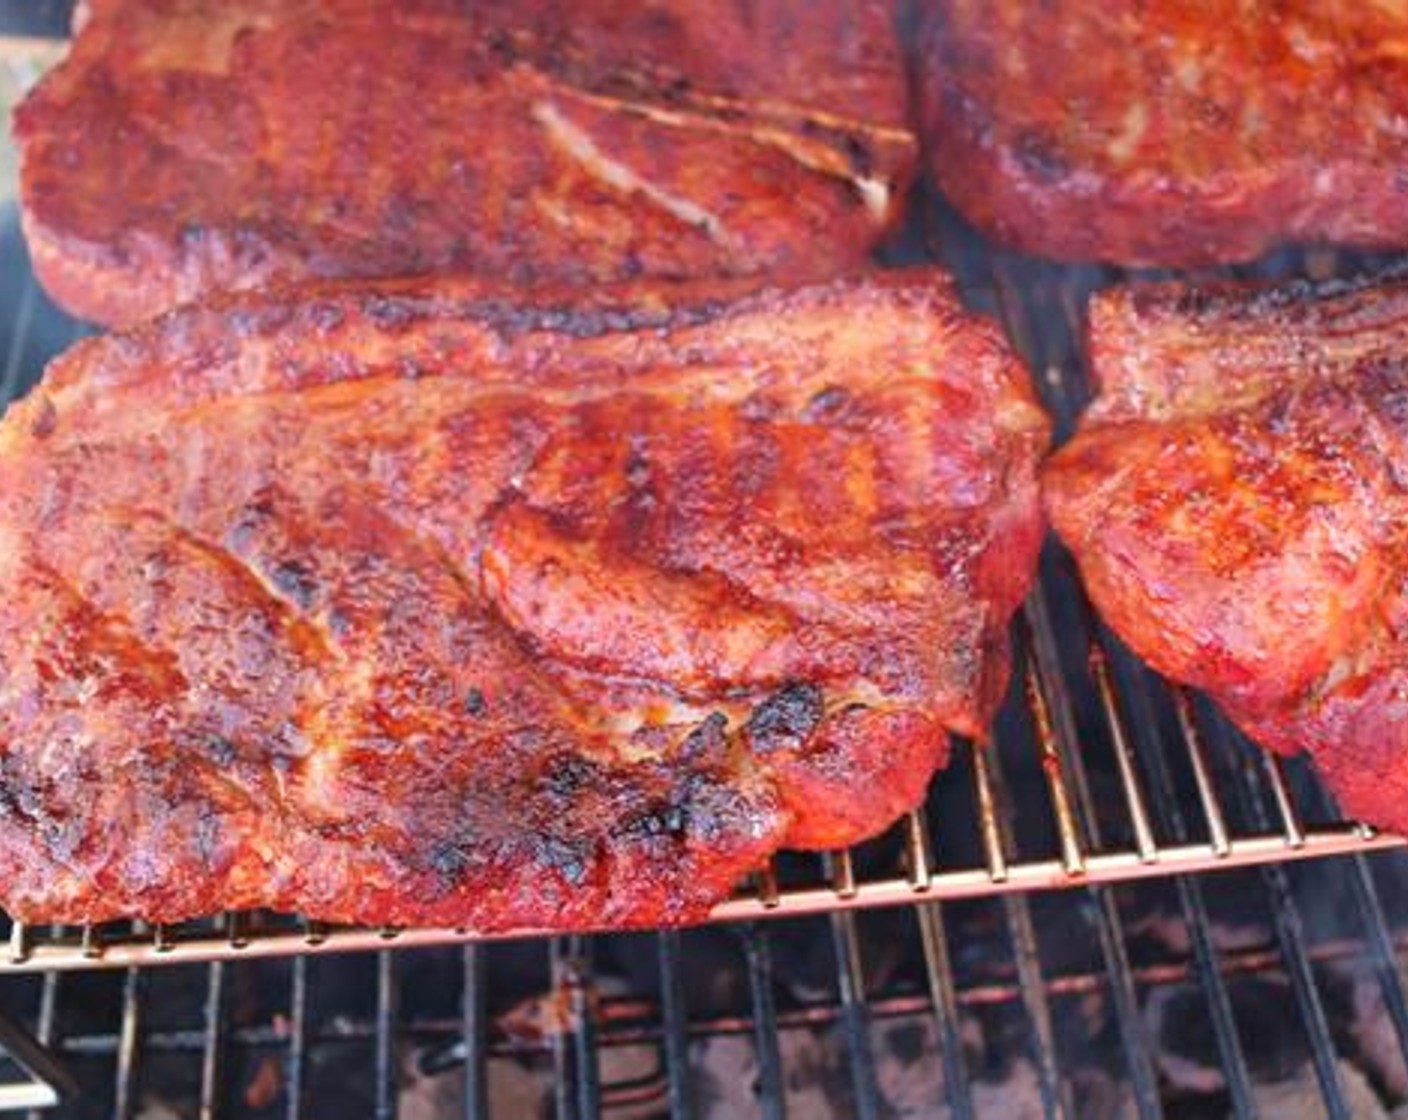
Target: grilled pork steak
[208, 144]
[410, 602]
[1183, 133]
[1236, 500]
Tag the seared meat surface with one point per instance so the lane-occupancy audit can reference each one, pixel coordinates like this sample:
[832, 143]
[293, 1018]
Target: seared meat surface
[1236, 500]
[417, 602]
[188, 145]
[1196, 132]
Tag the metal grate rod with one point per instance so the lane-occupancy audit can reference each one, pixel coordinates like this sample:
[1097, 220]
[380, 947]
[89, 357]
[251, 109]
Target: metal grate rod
[1374, 922]
[1052, 765]
[128, 1047]
[1202, 777]
[1140, 822]
[1046, 683]
[919, 860]
[1290, 934]
[295, 1070]
[474, 1033]
[575, 1084]
[1275, 767]
[583, 1019]
[1133, 1034]
[842, 872]
[855, 1022]
[1375, 925]
[674, 1016]
[388, 1000]
[213, 1051]
[1022, 936]
[760, 982]
[939, 972]
[44, 1028]
[993, 851]
[1058, 738]
[769, 894]
[1190, 895]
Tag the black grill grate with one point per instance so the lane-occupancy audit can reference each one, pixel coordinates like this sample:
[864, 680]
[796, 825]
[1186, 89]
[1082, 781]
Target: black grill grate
[1102, 781]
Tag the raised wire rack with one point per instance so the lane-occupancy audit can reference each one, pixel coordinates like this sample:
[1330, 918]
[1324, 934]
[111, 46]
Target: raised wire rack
[1078, 701]
[1098, 776]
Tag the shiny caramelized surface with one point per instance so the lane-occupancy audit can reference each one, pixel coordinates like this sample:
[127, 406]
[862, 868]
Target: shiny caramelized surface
[187, 145]
[416, 602]
[1236, 501]
[1180, 132]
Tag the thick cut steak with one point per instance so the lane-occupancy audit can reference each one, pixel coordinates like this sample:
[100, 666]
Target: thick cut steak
[187, 145]
[410, 602]
[1236, 500]
[1188, 132]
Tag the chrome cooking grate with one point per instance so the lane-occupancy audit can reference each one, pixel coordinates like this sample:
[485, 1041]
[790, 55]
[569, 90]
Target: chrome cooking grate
[1101, 780]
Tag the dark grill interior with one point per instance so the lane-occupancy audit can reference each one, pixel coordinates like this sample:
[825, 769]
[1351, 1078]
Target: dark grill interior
[926, 973]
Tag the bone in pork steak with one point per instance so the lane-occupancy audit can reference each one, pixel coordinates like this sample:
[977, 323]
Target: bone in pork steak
[1236, 500]
[410, 602]
[185, 146]
[1196, 132]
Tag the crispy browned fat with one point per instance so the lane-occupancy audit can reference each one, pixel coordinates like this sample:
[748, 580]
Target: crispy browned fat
[416, 603]
[190, 145]
[1236, 500]
[1182, 133]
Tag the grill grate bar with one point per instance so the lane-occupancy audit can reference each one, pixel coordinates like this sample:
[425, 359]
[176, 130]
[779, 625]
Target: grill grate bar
[1275, 767]
[918, 859]
[576, 1086]
[1036, 1005]
[842, 873]
[1072, 853]
[1057, 738]
[474, 1034]
[939, 973]
[295, 1069]
[1211, 983]
[1022, 936]
[1374, 923]
[631, 1021]
[760, 982]
[1291, 937]
[855, 1020]
[769, 893]
[44, 1032]
[1290, 934]
[991, 831]
[1050, 703]
[1202, 775]
[388, 998]
[673, 1013]
[236, 929]
[129, 1045]
[583, 1020]
[1144, 842]
[1380, 944]
[1133, 1036]
[1190, 895]
[213, 1052]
